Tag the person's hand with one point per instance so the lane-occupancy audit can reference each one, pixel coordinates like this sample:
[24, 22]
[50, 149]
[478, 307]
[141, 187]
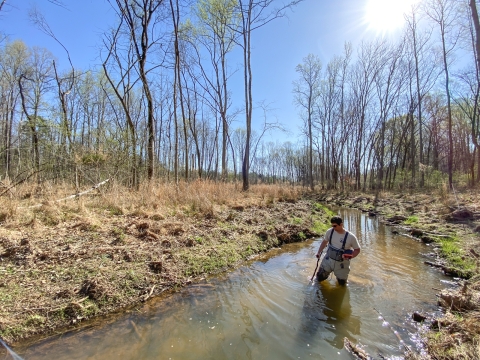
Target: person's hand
[317, 256]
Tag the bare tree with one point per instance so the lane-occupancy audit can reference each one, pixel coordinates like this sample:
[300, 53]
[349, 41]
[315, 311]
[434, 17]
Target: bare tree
[468, 93]
[445, 14]
[425, 71]
[177, 86]
[215, 34]
[475, 118]
[254, 14]
[122, 66]
[64, 86]
[306, 93]
[370, 61]
[39, 76]
[389, 84]
[14, 59]
[139, 18]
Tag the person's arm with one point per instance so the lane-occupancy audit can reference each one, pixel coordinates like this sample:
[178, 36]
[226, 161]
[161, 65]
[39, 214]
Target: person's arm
[355, 246]
[322, 246]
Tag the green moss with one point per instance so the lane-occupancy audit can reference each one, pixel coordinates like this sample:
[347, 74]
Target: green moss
[226, 225]
[12, 332]
[114, 210]
[455, 256]
[119, 234]
[222, 254]
[297, 220]
[320, 227]
[209, 260]
[35, 320]
[322, 208]
[411, 220]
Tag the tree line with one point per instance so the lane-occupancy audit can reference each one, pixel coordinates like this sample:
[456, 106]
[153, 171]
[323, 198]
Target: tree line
[390, 113]
[397, 113]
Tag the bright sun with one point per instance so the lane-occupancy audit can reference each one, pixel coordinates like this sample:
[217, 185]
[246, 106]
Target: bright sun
[387, 15]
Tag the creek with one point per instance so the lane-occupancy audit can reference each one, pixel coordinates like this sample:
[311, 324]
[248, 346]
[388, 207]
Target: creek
[268, 309]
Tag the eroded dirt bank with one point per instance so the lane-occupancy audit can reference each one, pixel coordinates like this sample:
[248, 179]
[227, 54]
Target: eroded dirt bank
[55, 275]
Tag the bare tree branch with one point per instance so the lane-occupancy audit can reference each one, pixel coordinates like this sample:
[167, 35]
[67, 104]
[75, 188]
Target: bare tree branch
[58, 3]
[41, 23]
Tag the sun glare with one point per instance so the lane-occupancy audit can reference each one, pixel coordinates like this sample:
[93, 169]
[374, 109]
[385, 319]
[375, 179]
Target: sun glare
[387, 15]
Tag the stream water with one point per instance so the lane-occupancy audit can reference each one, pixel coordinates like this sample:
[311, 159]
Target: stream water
[268, 309]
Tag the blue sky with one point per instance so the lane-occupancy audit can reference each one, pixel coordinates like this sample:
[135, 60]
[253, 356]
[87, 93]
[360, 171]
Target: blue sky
[320, 27]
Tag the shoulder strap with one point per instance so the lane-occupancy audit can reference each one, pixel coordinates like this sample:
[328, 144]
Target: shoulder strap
[344, 240]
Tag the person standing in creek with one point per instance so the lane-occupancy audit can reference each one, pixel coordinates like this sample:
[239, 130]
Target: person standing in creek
[342, 246]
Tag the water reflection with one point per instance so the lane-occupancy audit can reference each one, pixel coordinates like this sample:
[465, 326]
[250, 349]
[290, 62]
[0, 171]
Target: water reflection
[327, 315]
[338, 312]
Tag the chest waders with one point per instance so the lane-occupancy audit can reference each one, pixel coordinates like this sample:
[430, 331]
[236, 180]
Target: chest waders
[334, 254]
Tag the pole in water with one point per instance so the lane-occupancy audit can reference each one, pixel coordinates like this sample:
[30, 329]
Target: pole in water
[319, 256]
[315, 270]
[11, 352]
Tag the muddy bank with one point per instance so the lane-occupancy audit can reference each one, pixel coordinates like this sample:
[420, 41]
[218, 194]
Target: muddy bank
[450, 223]
[56, 277]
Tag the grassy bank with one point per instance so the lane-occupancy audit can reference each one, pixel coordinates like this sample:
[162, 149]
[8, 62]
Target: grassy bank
[63, 263]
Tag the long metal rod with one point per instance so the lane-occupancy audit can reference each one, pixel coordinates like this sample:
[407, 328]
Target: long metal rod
[315, 269]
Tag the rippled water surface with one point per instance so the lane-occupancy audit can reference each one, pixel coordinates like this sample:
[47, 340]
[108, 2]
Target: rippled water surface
[268, 309]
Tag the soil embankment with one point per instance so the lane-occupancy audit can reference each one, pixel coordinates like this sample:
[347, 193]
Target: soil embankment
[67, 264]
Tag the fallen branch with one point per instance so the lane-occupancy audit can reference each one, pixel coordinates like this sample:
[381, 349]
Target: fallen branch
[437, 235]
[409, 229]
[449, 271]
[74, 195]
[149, 294]
[136, 330]
[355, 350]
[434, 264]
[49, 310]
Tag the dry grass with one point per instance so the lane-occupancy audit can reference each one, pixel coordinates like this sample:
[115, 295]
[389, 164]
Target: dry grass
[20, 207]
[63, 262]
[457, 334]
[457, 337]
